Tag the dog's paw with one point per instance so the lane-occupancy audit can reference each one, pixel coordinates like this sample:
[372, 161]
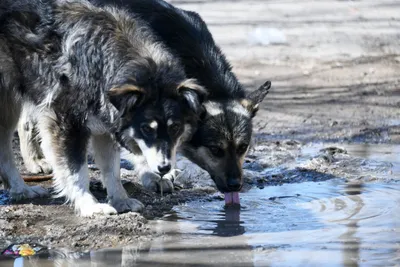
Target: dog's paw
[28, 192]
[160, 186]
[38, 166]
[165, 186]
[154, 183]
[172, 175]
[96, 209]
[149, 181]
[127, 204]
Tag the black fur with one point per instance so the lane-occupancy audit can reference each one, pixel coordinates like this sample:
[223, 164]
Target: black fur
[219, 143]
[186, 34]
[97, 71]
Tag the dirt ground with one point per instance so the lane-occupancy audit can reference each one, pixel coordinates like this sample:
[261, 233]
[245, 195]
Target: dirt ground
[334, 66]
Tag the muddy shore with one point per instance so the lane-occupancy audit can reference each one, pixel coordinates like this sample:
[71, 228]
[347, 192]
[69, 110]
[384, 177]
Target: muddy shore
[335, 81]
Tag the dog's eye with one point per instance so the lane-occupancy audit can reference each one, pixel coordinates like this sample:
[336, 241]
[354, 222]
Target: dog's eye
[147, 130]
[241, 149]
[216, 151]
[175, 128]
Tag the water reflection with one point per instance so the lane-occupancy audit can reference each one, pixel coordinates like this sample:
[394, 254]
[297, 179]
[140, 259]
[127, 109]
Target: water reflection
[351, 247]
[230, 224]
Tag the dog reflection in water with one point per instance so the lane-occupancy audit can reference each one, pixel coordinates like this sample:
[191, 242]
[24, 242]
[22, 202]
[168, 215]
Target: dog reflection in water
[230, 225]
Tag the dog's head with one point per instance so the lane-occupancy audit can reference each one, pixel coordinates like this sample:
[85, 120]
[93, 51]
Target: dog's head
[223, 138]
[154, 121]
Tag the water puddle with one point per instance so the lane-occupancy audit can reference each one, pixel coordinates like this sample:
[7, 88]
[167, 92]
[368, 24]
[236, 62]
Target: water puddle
[328, 223]
[338, 222]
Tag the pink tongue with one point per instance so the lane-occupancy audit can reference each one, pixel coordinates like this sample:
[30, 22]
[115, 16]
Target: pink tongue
[232, 198]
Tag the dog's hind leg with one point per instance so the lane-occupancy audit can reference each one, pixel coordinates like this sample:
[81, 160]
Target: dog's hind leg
[107, 158]
[9, 172]
[10, 108]
[29, 141]
[65, 147]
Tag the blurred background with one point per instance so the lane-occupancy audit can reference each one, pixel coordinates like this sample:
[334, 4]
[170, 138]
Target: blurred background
[334, 65]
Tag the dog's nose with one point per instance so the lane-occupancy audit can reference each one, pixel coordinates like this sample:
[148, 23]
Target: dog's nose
[165, 168]
[234, 184]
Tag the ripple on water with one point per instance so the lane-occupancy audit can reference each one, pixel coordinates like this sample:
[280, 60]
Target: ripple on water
[352, 222]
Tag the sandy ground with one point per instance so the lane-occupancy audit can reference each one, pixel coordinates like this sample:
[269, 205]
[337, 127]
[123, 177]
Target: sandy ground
[334, 66]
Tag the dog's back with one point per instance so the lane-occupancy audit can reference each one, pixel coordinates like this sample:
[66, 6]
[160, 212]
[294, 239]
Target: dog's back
[187, 35]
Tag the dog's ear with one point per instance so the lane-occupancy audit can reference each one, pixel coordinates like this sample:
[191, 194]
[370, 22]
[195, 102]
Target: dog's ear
[126, 96]
[193, 94]
[253, 100]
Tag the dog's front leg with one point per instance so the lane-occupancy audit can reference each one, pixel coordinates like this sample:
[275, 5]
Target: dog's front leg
[64, 145]
[107, 158]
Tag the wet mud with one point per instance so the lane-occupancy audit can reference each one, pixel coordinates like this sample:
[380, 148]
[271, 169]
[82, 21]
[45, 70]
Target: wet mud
[50, 222]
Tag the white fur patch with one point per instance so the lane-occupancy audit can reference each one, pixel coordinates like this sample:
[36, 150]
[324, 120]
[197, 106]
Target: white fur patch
[139, 161]
[48, 100]
[153, 124]
[29, 141]
[153, 157]
[239, 109]
[131, 132]
[213, 109]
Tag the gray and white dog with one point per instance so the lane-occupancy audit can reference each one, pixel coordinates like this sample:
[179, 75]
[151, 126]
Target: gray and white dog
[222, 137]
[90, 73]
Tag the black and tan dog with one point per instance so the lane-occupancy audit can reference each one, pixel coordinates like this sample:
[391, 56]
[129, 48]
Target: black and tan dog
[222, 138]
[90, 72]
